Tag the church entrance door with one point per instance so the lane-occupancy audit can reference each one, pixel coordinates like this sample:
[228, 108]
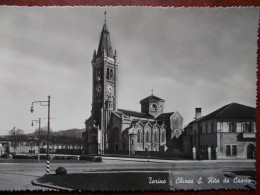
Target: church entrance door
[93, 145]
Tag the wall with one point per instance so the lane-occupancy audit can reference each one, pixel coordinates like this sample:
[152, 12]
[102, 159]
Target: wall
[232, 139]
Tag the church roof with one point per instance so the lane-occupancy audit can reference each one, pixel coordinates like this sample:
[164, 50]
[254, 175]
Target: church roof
[151, 98]
[105, 43]
[233, 110]
[164, 116]
[119, 114]
[135, 114]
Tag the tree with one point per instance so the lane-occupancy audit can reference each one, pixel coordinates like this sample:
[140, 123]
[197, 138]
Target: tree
[16, 135]
[43, 131]
[15, 131]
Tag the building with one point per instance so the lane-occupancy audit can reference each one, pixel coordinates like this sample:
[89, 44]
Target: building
[113, 130]
[229, 133]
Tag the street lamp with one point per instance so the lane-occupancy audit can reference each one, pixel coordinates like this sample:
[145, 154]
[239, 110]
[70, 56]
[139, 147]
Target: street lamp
[38, 121]
[43, 103]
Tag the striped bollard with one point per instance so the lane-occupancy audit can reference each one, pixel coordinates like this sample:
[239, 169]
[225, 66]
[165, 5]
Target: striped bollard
[48, 167]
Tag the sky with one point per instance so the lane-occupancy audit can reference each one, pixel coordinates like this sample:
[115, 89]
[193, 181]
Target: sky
[190, 57]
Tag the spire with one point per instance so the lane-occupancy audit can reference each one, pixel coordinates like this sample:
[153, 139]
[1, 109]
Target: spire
[104, 43]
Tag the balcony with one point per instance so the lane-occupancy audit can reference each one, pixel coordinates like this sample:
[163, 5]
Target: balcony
[247, 135]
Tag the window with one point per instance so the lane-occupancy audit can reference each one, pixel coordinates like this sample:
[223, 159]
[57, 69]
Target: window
[155, 136]
[111, 74]
[232, 127]
[98, 74]
[200, 129]
[163, 136]
[228, 152]
[207, 128]
[212, 126]
[138, 135]
[248, 127]
[234, 150]
[107, 73]
[147, 137]
[231, 150]
[142, 135]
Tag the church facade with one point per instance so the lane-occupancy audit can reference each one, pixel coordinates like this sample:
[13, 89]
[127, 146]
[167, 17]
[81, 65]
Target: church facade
[117, 131]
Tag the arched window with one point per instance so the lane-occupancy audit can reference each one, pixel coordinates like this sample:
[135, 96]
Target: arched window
[139, 135]
[163, 136]
[111, 74]
[107, 73]
[147, 136]
[155, 137]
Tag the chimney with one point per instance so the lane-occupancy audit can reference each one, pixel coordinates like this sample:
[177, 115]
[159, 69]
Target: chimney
[197, 113]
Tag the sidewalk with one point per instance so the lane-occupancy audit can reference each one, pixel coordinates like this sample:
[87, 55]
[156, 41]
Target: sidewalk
[172, 161]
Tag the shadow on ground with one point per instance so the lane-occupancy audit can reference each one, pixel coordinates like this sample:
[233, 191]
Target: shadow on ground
[109, 181]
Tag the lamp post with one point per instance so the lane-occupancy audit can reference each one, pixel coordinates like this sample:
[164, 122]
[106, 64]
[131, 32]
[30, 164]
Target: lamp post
[43, 103]
[38, 121]
[148, 152]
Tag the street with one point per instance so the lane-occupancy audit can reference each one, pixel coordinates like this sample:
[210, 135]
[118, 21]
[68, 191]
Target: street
[15, 175]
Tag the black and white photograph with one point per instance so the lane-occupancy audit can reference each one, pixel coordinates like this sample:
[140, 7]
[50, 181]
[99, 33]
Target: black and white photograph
[128, 98]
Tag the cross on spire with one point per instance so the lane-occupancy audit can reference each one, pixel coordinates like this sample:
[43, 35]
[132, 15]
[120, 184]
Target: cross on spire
[152, 91]
[105, 13]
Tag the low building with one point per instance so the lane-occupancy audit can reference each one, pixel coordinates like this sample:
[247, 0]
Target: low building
[227, 133]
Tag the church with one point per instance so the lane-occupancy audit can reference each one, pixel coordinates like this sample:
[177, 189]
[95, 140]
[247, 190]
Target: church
[110, 130]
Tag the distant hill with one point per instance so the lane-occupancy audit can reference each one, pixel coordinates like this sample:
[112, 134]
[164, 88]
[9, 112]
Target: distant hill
[70, 133]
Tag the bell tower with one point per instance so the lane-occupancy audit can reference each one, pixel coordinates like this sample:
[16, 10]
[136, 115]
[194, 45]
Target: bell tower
[105, 79]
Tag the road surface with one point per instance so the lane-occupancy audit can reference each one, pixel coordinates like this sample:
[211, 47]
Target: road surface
[18, 174]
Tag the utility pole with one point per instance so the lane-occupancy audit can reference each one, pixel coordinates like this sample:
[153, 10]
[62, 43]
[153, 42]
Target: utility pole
[39, 142]
[48, 133]
[14, 140]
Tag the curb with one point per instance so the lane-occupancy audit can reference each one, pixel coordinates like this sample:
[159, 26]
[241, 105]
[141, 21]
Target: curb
[48, 185]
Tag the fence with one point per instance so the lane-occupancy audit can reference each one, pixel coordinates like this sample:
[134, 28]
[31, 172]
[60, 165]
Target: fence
[62, 151]
[168, 155]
